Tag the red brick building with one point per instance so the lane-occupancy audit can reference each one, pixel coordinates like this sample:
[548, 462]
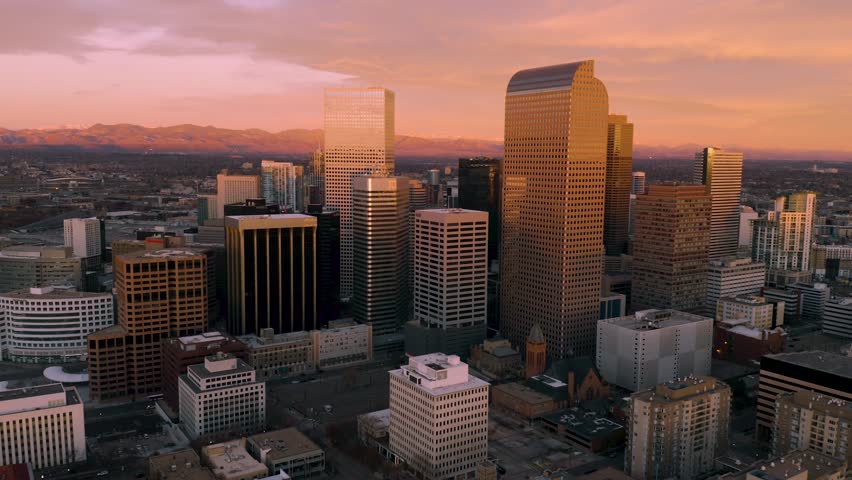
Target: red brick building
[733, 340]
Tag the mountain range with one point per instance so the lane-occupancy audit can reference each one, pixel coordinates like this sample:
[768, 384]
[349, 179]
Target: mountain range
[208, 139]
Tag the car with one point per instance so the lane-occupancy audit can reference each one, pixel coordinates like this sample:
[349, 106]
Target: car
[102, 473]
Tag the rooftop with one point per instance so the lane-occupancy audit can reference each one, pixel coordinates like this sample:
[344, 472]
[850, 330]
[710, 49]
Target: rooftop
[582, 423]
[34, 251]
[655, 319]
[231, 460]
[816, 464]
[202, 338]
[28, 392]
[283, 444]
[680, 389]
[254, 341]
[837, 406]
[49, 293]
[833, 363]
[523, 392]
[439, 374]
[378, 419]
[179, 465]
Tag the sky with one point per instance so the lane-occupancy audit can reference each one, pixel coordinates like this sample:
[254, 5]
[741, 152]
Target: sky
[759, 74]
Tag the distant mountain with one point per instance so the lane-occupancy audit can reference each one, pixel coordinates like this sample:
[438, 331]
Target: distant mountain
[198, 139]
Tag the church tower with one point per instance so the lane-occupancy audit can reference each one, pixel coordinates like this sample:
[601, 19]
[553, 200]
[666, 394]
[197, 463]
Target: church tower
[536, 352]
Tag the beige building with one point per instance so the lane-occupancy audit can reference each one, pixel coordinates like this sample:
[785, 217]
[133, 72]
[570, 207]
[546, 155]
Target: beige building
[342, 344]
[754, 309]
[782, 240]
[619, 180]
[359, 140]
[83, 236]
[25, 266]
[553, 206]
[677, 429]
[283, 184]
[178, 465]
[42, 426]
[798, 465]
[288, 450]
[729, 277]
[806, 420]
[235, 189]
[721, 173]
[438, 417]
[231, 461]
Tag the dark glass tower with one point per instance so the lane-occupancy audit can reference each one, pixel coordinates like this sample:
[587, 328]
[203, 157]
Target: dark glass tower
[479, 189]
[328, 264]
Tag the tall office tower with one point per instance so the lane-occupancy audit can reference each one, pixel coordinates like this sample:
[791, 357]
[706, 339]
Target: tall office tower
[235, 189]
[417, 196]
[721, 173]
[207, 208]
[283, 184]
[83, 235]
[677, 429]
[380, 217]
[730, 277]
[435, 188]
[638, 184]
[782, 240]
[328, 264]
[824, 373]
[812, 421]
[316, 178]
[554, 179]
[450, 282]
[438, 417]
[619, 179]
[747, 215]
[271, 273]
[837, 317]
[42, 426]
[359, 141]
[479, 189]
[670, 248]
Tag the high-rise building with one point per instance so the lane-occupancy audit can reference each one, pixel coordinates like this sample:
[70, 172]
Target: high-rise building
[252, 206]
[206, 209]
[619, 180]
[747, 215]
[271, 273]
[639, 351]
[790, 300]
[824, 373]
[782, 240]
[678, 429]
[328, 263]
[837, 317]
[83, 235]
[235, 189]
[438, 417]
[42, 426]
[670, 248]
[380, 217]
[359, 140]
[450, 281]
[222, 394]
[316, 178]
[728, 277]
[418, 197]
[638, 184]
[479, 189]
[553, 206]
[435, 188]
[283, 184]
[26, 266]
[806, 420]
[814, 298]
[721, 173]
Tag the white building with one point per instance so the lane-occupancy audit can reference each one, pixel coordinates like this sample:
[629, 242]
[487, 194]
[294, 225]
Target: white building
[438, 417]
[222, 394]
[754, 309]
[652, 347]
[730, 277]
[42, 426]
[782, 240]
[49, 324]
[343, 343]
[814, 298]
[83, 235]
[837, 317]
[283, 184]
[747, 215]
[637, 186]
[235, 189]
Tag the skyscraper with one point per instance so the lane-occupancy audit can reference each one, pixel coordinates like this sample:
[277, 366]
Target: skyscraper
[271, 273]
[479, 189]
[316, 178]
[670, 248]
[619, 167]
[721, 173]
[554, 178]
[380, 217]
[235, 189]
[83, 235]
[328, 264]
[782, 239]
[359, 140]
[283, 184]
[638, 184]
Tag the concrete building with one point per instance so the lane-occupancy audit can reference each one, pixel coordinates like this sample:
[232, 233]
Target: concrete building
[613, 305]
[791, 300]
[496, 358]
[671, 248]
[25, 266]
[583, 428]
[279, 356]
[837, 317]
[373, 428]
[553, 205]
[438, 417]
[755, 311]
[42, 426]
[450, 282]
[798, 465]
[730, 277]
[343, 343]
[271, 273]
[221, 395]
[84, 237]
[288, 450]
[252, 206]
[814, 298]
[638, 183]
[653, 347]
[231, 461]
[50, 325]
[678, 428]
[181, 464]
[812, 421]
[207, 208]
[619, 169]
[359, 140]
[782, 240]
[824, 373]
[747, 215]
[235, 189]
[832, 261]
[737, 341]
[479, 189]
[283, 184]
[721, 173]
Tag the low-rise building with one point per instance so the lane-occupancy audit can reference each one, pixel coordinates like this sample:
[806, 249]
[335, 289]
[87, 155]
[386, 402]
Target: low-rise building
[582, 380]
[279, 356]
[806, 420]
[737, 341]
[373, 428]
[522, 400]
[231, 461]
[342, 344]
[584, 428]
[837, 317]
[25, 266]
[757, 311]
[496, 358]
[181, 464]
[288, 450]
[798, 465]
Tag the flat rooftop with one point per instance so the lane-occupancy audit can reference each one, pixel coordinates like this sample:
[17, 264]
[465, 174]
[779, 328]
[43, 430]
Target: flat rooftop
[284, 444]
[28, 392]
[179, 465]
[655, 320]
[522, 392]
[833, 363]
[231, 459]
[202, 338]
[254, 341]
[52, 293]
[582, 423]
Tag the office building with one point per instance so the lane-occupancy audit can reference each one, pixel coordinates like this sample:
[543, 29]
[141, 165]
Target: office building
[653, 346]
[288, 450]
[359, 140]
[42, 426]
[837, 317]
[328, 264]
[812, 421]
[25, 266]
[435, 189]
[677, 429]
[235, 189]
[747, 215]
[619, 182]
[438, 417]
[283, 184]
[231, 460]
[316, 178]
[721, 173]
[754, 310]
[553, 206]
[271, 273]
[730, 277]
[83, 235]
[450, 281]
[183, 464]
[221, 395]
[50, 325]
[252, 206]
[824, 373]
[279, 355]
[791, 299]
[381, 297]
[782, 239]
[343, 343]
[638, 184]
[479, 189]
[613, 305]
[671, 248]
[206, 208]
[832, 261]
[814, 298]
[418, 197]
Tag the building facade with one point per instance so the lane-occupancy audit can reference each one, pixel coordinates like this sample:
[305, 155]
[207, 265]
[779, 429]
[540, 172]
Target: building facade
[837, 317]
[279, 356]
[730, 277]
[812, 421]
[754, 310]
[721, 173]
[283, 184]
[83, 235]
[638, 183]
[782, 240]
[25, 266]
[343, 343]
[814, 298]
[235, 189]
[328, 264]
[619, 180]
[479, 189]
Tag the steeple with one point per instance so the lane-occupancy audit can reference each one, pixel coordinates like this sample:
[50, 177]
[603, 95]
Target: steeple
[536, 360]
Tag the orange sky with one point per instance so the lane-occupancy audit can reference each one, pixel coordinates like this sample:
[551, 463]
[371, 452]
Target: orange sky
[727, 72]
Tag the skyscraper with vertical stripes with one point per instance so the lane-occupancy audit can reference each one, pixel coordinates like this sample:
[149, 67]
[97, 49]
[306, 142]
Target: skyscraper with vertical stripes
[721, 173]
[619, 180]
